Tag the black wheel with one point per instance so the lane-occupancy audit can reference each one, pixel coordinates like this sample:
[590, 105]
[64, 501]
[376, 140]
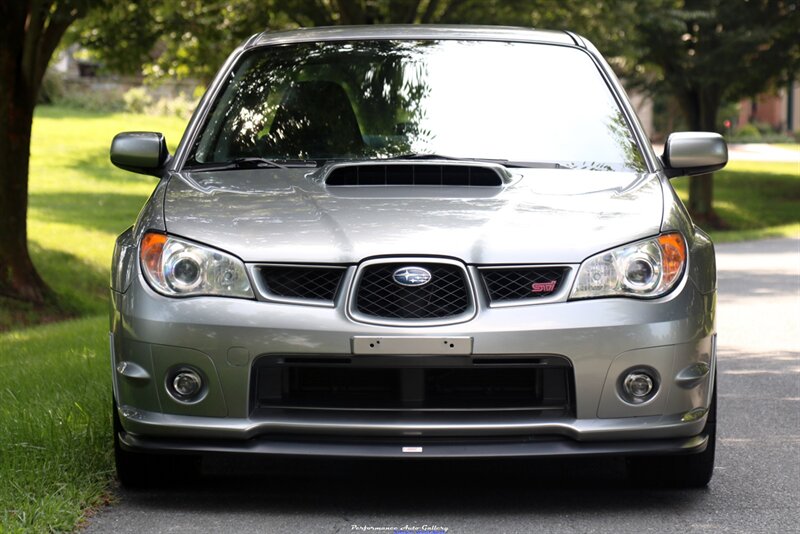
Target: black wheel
[137, 470]
[679, 471]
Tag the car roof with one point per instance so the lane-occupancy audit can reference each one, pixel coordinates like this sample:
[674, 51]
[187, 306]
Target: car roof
[414, 31]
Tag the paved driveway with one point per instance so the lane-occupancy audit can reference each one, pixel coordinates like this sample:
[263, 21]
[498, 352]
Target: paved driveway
[756, 487]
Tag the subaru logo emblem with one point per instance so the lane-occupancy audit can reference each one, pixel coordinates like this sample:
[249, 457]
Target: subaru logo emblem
[412, 276]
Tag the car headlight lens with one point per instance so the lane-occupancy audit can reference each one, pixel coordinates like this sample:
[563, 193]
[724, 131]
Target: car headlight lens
[648, 268]
[178, 268]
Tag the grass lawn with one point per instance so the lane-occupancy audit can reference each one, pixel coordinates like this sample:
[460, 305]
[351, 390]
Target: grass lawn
[55, 419]
[757, 200]
[55, 437]
[54, 424]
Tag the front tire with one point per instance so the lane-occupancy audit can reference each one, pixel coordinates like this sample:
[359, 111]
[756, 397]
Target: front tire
[136, 470]
[679, 471]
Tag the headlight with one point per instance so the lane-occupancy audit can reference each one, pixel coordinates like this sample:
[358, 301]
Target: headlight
[178, 268]
[645, 269]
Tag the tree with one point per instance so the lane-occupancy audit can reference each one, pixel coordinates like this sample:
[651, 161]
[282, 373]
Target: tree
[709, 52]
[30, 31]
[192, 38]
[165, 39]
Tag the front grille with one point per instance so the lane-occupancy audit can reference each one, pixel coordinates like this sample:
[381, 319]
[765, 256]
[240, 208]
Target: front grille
[301, 282]
[379, 295]
[414, 175]
[522, 283]
[351, 384]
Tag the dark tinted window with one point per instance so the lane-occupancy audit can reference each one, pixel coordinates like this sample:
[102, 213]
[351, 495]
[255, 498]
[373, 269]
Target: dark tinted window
[378, 99]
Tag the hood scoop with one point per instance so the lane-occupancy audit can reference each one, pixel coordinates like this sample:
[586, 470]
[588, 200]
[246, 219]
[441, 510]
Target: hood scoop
[404, 173]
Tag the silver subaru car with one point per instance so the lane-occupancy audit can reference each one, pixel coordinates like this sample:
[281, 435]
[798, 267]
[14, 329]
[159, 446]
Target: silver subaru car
[415, 242]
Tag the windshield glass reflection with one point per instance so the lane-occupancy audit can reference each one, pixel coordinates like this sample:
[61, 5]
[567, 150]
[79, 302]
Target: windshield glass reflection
[524, 103]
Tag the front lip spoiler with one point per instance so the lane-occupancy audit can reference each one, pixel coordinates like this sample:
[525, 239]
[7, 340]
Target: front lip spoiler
[551, 447]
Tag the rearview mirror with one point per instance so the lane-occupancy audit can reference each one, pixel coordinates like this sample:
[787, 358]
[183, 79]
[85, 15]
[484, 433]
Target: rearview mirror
[140, 152]
[690, 153]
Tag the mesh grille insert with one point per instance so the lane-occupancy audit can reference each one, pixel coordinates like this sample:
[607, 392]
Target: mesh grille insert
[379, 295]
[522, 283]
[315, 283]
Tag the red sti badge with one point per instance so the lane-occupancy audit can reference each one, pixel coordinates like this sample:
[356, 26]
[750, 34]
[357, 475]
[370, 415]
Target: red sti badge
[543, 287]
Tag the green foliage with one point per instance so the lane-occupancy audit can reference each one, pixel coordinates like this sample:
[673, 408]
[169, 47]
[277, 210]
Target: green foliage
[180, 106]
[137, 99]
[134, 100]
[99, 100]
[758, 132]
[140, 100]
[747, 131]
[706, 52]
[192, 38]
[172, 39]
[120, 35]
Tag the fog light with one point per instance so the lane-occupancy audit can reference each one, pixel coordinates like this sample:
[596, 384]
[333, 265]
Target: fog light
[186, 384]
[638, 385]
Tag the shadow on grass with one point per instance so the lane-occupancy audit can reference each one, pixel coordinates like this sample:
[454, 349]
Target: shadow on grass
[16, 314]
[748, 200]
[106, 212]
[80, 287]
[97, 164]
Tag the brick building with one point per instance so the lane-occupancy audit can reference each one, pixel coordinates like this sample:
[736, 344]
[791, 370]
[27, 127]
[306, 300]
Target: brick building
[780, 109]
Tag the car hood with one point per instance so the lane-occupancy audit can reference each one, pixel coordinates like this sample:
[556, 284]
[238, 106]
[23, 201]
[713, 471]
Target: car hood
[540, 216]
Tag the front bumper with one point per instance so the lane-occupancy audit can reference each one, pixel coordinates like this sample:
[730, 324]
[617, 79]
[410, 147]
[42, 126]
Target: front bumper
[509, 448]
[601, 339]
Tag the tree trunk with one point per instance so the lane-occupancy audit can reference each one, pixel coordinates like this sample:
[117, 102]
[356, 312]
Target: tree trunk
[18, 277]
[701, 197]
[701, 108]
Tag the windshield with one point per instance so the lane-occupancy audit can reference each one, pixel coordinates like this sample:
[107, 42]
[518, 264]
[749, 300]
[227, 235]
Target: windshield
[513, 102]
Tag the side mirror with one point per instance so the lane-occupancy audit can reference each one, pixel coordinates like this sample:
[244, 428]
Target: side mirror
[140, 152]
[689, 153]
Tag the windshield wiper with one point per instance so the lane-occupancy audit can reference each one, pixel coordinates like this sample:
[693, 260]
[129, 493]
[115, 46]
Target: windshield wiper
[238, 163]
[417, 155]
[533, 165]
[503, 162]
[242, 163]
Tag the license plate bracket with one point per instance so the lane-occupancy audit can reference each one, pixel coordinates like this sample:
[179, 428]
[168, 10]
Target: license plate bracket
[410, 345]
